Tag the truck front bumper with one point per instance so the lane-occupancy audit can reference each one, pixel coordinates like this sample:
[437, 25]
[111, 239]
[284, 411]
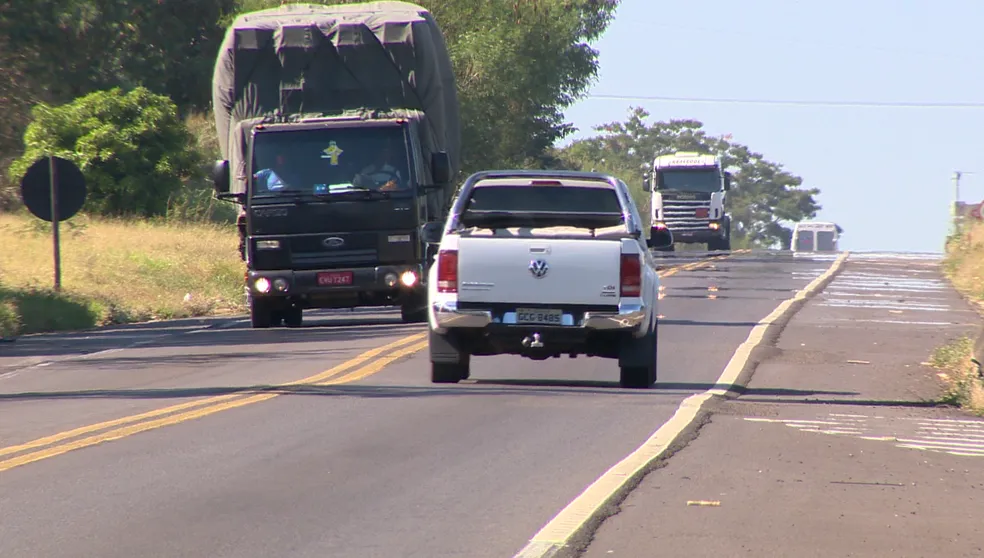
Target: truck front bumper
[629, 317]
[712, 231]
[303, 283]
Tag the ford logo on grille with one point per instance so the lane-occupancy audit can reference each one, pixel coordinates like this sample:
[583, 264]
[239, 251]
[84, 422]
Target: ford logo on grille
[333, 242]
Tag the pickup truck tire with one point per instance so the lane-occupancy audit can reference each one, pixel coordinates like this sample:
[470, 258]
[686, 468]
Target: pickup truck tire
[447, 373]
[449, 364]
[637, 361]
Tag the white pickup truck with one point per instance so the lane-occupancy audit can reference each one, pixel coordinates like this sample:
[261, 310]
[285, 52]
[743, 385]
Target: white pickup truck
[542, 264]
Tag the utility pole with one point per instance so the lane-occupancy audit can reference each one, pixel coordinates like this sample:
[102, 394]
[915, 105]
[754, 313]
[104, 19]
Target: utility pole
[954, 214]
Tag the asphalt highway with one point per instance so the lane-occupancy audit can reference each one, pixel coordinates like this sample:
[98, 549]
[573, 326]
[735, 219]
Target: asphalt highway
[182, 439]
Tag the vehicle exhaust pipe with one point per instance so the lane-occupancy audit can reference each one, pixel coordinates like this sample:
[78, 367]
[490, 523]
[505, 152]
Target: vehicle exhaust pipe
[533, 342]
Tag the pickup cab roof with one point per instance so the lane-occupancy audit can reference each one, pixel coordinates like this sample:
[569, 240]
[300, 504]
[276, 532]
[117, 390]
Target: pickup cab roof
[564, 182]
[631, 221]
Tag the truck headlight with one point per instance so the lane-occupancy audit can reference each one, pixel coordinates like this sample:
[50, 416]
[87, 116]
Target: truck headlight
[262, 285]
[267, 244]
[408, 278]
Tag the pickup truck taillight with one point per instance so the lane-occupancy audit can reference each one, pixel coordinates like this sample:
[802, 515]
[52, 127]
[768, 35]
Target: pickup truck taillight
[447, 271]
[630, 272]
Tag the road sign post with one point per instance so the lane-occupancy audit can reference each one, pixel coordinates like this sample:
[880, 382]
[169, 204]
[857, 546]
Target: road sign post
[53, 189]
[56, 240]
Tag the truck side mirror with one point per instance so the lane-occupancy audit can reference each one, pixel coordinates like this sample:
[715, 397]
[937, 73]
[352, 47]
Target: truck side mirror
[646, 184]
[441, 167]
[220, 177]
[431, 232]
[727, 181]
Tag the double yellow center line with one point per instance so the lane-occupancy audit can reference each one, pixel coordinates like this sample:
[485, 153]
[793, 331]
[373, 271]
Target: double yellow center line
[358, 368]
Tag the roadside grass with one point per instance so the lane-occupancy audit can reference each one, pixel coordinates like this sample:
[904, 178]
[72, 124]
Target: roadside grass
[963, 265]
[964, 388]
[115, 271]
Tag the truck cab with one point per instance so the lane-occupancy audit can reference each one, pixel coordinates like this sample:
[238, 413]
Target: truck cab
[332, 212]
[688, 199]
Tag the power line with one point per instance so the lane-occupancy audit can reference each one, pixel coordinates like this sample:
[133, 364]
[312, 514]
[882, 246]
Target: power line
[790, 102]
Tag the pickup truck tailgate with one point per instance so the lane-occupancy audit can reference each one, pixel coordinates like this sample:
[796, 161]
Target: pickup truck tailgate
[538, 271]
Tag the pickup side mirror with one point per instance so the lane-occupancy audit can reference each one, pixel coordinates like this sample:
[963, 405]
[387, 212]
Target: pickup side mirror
[727, 181]
[431, 232]
[441, 167]
[660, 237]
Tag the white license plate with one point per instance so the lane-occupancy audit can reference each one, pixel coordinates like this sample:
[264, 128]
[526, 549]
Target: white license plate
[539, 316]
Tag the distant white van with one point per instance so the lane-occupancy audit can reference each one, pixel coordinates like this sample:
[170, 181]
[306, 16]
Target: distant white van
[815, 236]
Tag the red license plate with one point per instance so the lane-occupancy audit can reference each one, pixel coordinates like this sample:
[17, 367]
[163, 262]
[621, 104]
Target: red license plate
[702, 213]
[332, 278]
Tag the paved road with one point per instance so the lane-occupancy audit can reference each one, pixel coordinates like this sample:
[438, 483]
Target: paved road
[182, 440]
[836, 447]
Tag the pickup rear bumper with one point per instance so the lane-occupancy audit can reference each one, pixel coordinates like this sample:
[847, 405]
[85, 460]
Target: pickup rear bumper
[628, 317]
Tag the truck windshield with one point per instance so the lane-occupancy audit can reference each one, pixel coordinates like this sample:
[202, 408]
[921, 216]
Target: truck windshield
[693, 180]
[804, 241]
[542, 206]
[328, 162]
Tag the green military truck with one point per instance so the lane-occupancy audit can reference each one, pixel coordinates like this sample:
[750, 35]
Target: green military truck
[340, 135]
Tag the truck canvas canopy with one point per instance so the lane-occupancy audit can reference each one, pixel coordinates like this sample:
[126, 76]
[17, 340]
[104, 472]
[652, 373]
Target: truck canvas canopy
[365, 61]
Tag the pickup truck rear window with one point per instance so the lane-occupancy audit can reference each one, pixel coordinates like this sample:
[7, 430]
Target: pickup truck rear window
[542, 206]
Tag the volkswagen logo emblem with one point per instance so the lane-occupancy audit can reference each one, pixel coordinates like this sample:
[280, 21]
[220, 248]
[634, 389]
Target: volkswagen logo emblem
[333, 242]
[539, 268]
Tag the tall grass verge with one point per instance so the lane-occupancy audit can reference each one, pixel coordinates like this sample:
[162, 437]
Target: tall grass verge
[116, 271]
[964, 267]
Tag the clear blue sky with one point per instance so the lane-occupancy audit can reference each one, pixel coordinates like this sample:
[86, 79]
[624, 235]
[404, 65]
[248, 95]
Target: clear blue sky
[884, 173]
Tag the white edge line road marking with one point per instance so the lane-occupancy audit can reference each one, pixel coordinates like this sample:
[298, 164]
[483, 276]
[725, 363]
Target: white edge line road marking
[560, 531]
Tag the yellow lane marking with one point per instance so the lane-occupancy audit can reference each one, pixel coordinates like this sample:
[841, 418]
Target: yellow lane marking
[575, 516]
[376, 366]
[211, 401]
[142, 422]
[697, 264]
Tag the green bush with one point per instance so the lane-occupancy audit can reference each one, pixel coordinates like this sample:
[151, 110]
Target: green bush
[134, 150]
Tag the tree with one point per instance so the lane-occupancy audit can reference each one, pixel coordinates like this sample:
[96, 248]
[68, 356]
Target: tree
[132, 147]
[763, 195]
[56, 50]
[78, 46]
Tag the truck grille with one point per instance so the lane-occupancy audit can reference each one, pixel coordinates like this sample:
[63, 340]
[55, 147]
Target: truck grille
[681, 215]
[309, 252]
[341, 258]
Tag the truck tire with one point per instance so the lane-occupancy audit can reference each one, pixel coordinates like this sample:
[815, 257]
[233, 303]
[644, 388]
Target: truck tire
[293, 316]
[449, 364]
[261, 315]
[637, 360]
[720, 244]
[414, 310]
